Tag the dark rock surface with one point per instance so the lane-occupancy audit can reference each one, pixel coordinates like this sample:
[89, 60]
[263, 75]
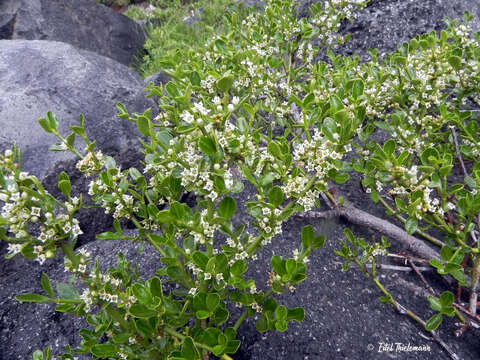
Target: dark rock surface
[386, 24]
[159, 78]
[39, 76]
[82, 23]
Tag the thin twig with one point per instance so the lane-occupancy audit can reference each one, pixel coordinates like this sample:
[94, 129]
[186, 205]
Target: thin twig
[422, 278]
[406, 258]
[397, 268]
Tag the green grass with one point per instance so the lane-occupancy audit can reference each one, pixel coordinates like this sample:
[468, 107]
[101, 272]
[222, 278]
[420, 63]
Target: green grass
[168, 28]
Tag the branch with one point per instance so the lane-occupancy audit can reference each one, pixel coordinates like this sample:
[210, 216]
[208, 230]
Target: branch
[362, 218]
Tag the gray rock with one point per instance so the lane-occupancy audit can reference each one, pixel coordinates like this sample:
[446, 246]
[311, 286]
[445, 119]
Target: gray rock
[251, 3]
[82, 23]
[159, 78]
[39, 76]
[386, 24]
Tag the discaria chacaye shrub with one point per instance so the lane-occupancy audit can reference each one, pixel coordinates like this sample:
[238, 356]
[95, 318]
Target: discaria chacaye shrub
[253, 105]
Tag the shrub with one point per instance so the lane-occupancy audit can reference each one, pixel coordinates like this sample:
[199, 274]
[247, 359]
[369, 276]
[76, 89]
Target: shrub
[253, 105]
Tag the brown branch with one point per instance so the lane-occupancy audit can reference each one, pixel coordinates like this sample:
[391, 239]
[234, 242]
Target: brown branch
[362, 218]
[422, 278]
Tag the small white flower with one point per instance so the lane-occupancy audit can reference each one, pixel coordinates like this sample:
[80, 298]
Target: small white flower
[193, 291]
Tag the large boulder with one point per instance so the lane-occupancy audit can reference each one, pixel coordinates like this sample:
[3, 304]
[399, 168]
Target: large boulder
[40, 76]
[83, 23]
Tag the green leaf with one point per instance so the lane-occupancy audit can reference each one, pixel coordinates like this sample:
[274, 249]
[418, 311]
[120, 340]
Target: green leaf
[434, 322]
[225, 83]
[267, 179]
[67, 291]
[37, 355]
[290, 266]
[274, 149]
[341, 178]
[281, 312]
[141, 311]
[319, 242]
[411, 225]
[52, 120]
[281, 325]
[189, 350]
[200, 259]
[357, 88]
[278, 265]
[142, 294]
[455, 62]
[262, 324]
[65, 187]
[297, 314]
[227, 207]
[32, 298]
[175, 273]
[177, 210]
[143, 124]
[70, 139]
[435, 304]
[107, 236]
[194, 78]
[389, 147]
[44, 124]
[232, 346]
[335, 104]
[275, 196]
[470, 182]
[172, 89]
[202, 314]
[238, 268]
[221, 315]
[207, 145]
[212, 301]
[156, 287]
[341, 116]
[308, 236]
[104, 350]
[47, 285]
[447, 298]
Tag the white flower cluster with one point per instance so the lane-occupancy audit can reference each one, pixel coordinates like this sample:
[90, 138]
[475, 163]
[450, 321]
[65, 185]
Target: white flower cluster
[91, 163]
[207, 231]
[316, 156]
[122, 205]
[29, 221]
